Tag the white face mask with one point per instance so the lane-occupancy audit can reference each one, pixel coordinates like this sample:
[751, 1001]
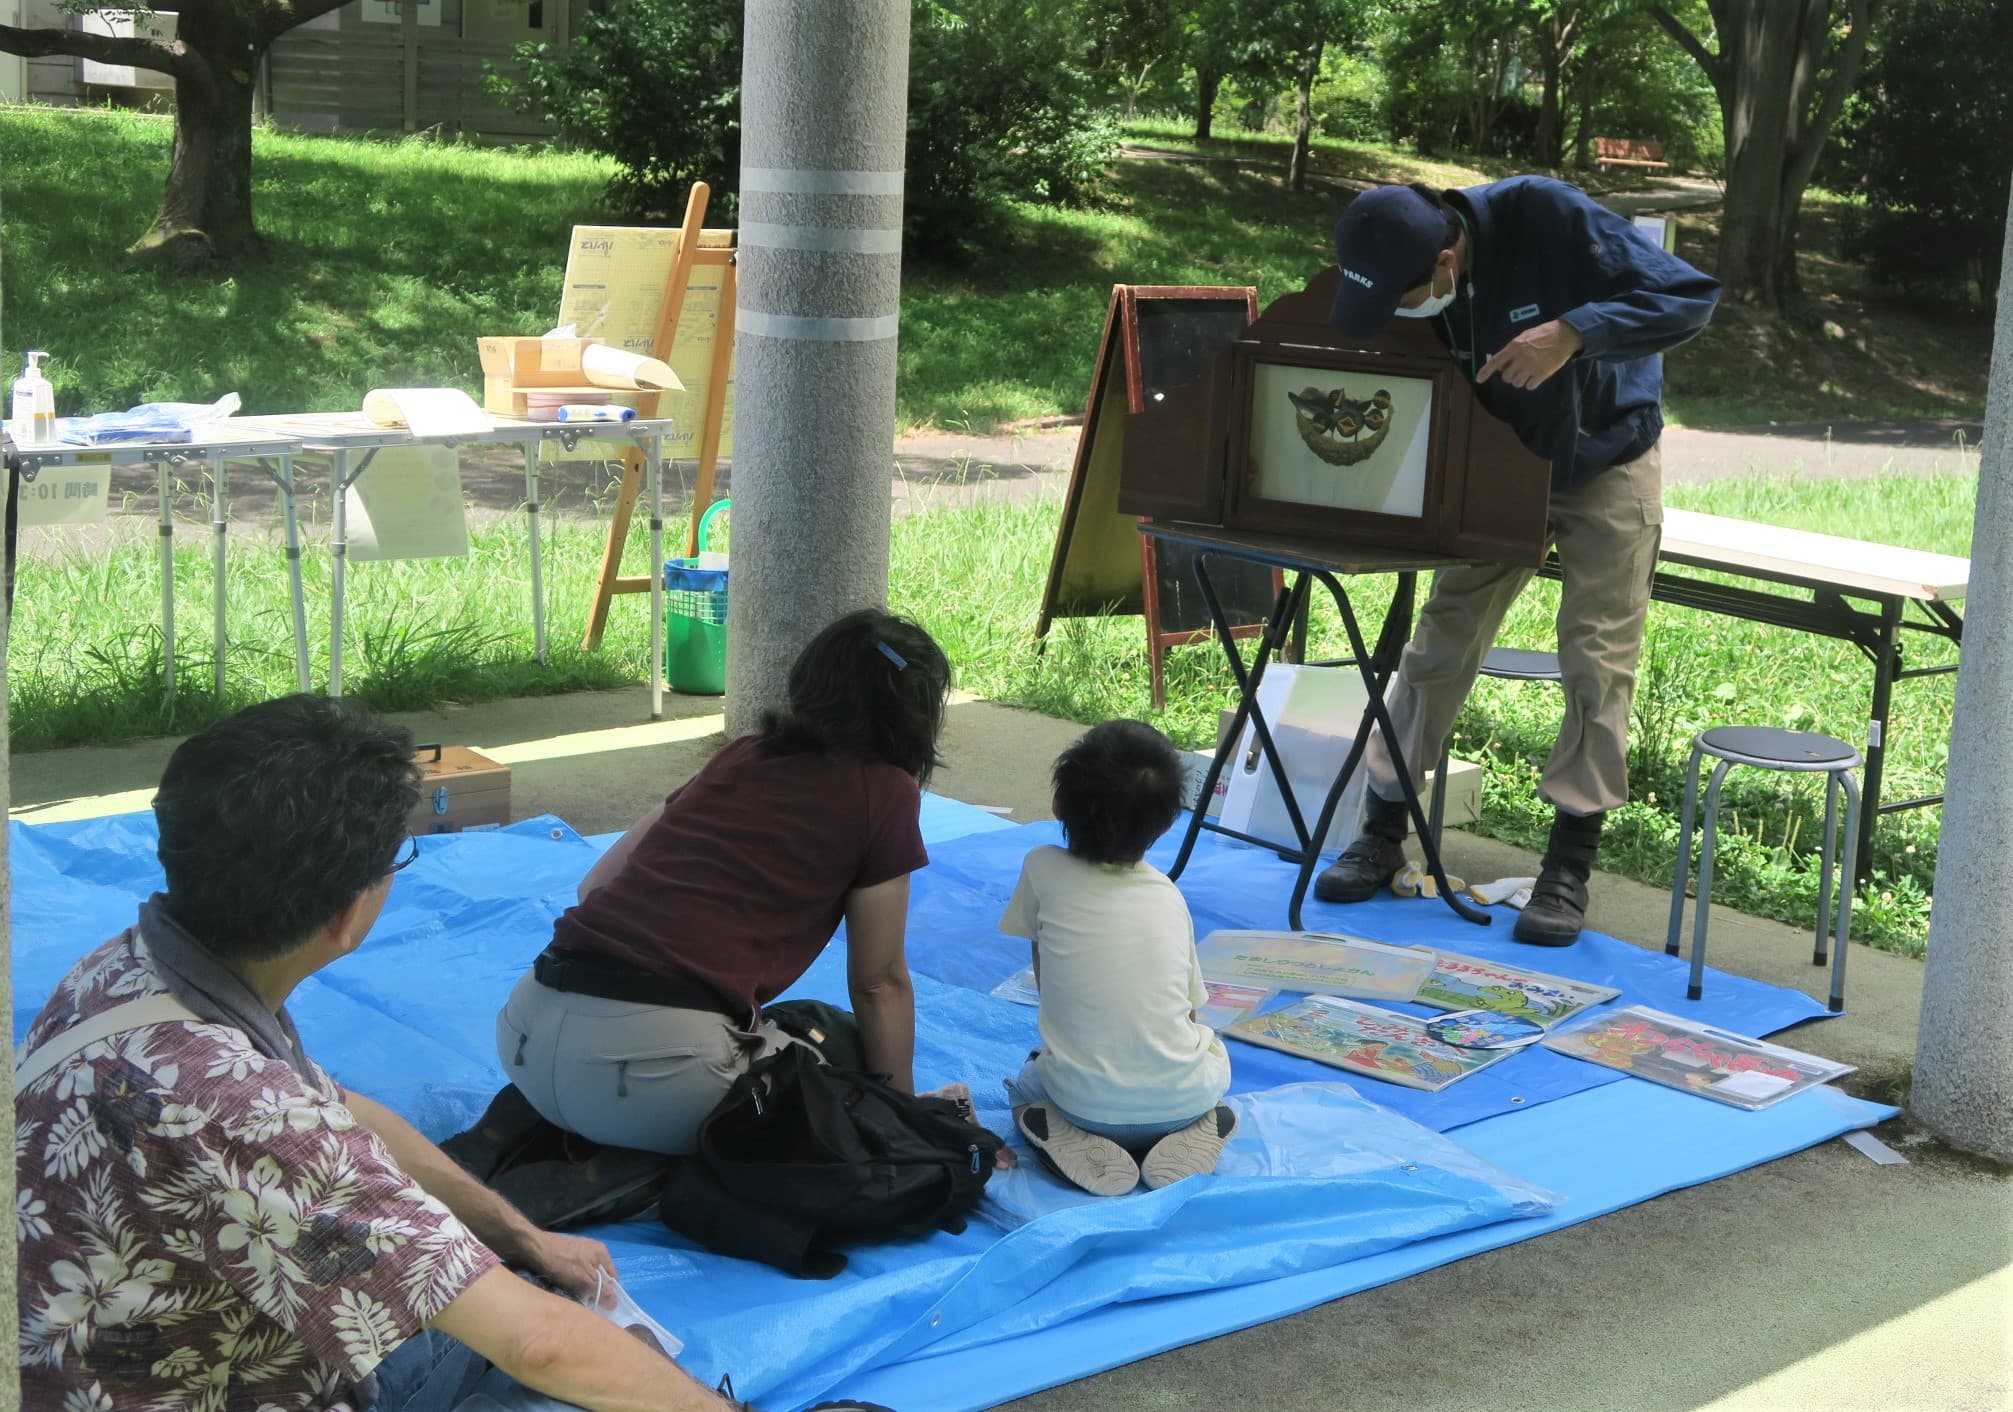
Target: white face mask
[1433, 303]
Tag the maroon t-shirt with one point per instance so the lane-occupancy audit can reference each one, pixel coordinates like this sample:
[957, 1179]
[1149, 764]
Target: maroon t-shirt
[743, 879]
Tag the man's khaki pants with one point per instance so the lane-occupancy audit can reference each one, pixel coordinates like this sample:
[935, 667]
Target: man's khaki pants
[1607, 531]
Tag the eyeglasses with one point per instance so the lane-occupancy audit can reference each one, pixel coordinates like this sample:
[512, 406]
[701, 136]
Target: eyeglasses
[411, 857]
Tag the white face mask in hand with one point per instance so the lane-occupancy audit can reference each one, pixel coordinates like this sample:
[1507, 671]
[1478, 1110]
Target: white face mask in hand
[1433, 303]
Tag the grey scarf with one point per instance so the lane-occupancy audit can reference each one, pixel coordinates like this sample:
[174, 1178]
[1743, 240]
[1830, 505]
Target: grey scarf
[198, 978]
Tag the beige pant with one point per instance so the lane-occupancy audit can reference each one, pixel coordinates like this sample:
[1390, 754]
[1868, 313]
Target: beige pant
[1606, 531]
[623, 1074]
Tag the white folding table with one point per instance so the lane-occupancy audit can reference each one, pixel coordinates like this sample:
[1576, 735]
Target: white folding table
[1853, 590]
[230, 443]
[352, 441]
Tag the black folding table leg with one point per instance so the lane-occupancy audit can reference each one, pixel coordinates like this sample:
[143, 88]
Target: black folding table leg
[1277, 627]
[1886, 664]
[1375, 712]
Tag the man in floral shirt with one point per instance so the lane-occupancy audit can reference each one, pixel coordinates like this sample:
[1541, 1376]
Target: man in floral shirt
[209, 1224]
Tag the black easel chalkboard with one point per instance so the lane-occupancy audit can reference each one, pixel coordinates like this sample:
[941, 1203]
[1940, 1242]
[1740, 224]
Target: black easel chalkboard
[1157, 339]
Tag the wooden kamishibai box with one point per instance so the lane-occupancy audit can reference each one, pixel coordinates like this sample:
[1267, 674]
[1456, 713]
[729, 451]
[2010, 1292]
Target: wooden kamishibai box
[1301, 431]
[460, 789]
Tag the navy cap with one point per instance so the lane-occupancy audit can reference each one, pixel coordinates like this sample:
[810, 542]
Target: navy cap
[1386, 238]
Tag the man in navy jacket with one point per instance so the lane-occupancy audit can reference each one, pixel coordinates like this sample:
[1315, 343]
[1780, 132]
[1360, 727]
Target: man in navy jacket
[1558, 309]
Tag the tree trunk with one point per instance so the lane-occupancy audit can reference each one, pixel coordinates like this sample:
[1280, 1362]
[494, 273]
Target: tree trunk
[1207, 81]
[1583, 136]
[1303, 126]
[206, 210]
[1767, 71]
[1551, 145]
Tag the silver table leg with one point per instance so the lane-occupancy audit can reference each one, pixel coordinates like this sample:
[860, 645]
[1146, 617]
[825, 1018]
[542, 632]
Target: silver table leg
[1683, 853]
[219, 530]
[300, 603]
[1841, 942]
[167, 497]
[653, 466]
[339, 482]
[532, 451]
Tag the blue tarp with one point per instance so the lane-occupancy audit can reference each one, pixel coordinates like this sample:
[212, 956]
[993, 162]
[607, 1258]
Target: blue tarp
[1330, 1186]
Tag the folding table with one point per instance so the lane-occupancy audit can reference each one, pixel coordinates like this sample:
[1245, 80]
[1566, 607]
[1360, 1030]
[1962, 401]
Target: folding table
[229, 442]
[1308, 562]
[352, 442]
[1852, 590]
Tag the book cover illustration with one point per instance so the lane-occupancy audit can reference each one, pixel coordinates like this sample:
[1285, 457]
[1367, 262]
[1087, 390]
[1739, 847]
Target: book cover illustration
[1364, 1039]
[1484, 1029]
[1229, 1003]
[1469, 983]
[1682, 1054]
[1316, 961]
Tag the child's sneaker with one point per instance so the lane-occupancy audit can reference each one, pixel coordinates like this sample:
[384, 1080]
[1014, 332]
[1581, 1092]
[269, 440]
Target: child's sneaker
[1097, 1164]
[1189, 1151]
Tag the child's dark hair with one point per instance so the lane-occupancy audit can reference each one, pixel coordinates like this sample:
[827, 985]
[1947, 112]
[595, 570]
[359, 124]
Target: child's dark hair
[871, 686]
[1117, 789]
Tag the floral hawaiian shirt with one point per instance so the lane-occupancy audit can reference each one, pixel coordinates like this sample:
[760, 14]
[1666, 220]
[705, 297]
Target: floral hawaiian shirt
[204, 1230]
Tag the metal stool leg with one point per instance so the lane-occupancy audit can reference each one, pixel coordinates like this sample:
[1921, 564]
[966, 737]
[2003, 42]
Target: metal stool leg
[1824, 876]
[1683, 871]
[1697, 986]
[1436, 816]
[1846, 877]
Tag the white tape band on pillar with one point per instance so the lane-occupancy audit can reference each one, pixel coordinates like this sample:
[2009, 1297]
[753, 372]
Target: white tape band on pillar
[816, 330]
[805, 181]
[849, 240]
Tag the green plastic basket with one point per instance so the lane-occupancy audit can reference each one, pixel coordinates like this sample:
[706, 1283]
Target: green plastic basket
[695, 620]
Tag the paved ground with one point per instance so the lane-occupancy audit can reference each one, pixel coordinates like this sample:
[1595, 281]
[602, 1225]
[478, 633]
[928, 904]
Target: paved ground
[1819, 1282]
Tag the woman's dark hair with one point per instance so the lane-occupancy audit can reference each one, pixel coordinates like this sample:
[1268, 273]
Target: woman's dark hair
[1117, 789]
[871, 686]
[275, 819]
[1434, 198]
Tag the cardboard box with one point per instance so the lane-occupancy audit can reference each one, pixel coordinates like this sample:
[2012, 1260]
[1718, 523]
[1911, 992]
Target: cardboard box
[513, 367]
[460, 789]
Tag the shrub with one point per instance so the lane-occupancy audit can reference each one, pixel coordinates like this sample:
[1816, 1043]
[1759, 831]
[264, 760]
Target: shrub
[999, 109]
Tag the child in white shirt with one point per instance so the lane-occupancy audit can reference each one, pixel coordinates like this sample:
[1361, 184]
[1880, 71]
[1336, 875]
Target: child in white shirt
[1124, 1066]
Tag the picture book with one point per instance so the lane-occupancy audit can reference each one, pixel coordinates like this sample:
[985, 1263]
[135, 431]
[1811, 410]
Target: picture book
[1484, 1029]
[1683, 1054]
[1364, 1039]
[1228, 1002]
[1315, 961]
[1469, 983]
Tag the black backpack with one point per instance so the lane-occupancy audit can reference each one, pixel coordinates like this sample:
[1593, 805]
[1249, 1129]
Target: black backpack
[801, 1156]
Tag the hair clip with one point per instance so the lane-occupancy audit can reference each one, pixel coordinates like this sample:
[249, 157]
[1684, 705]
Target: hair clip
[901, 662]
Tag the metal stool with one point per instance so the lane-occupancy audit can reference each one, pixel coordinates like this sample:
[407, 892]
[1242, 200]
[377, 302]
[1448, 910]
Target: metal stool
[1802, 752]
[1505, 664]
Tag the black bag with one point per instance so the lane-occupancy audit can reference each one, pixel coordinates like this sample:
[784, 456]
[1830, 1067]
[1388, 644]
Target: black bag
[559, 1180]
[801, 1156]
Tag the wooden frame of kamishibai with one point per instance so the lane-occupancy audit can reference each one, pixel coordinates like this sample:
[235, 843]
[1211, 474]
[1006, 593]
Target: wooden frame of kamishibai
[1376, 440]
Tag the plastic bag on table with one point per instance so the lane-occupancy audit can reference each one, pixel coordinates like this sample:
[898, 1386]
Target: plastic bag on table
[150, 421]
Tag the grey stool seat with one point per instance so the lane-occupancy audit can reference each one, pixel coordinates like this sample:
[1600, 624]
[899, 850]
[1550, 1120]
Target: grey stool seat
[1505, 664]
[1769, 748]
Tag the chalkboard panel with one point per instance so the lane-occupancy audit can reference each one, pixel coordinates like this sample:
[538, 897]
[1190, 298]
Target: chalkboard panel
[1178, 340]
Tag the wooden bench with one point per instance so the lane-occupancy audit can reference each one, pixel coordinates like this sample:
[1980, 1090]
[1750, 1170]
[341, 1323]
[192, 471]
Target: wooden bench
[1627, 152]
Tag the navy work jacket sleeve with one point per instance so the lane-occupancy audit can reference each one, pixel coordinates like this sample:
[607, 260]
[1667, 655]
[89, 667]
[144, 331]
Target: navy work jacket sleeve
[1638, 298]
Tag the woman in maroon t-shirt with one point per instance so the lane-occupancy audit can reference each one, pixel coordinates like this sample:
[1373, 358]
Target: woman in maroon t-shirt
[647, 1005]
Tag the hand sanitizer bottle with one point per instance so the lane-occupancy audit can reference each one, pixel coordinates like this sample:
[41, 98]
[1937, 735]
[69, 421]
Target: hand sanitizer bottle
[34, 408]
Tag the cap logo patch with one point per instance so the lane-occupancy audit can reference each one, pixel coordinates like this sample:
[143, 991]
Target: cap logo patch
[1363, 280]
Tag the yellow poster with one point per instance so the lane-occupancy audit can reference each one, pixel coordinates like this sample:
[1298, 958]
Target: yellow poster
[614, 291]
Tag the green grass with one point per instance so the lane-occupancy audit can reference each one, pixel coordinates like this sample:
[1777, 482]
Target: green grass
[85, 665]
[390, 258]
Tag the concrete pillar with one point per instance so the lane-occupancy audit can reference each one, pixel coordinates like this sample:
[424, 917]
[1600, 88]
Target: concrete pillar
[1964, 1051]
[824, 108]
